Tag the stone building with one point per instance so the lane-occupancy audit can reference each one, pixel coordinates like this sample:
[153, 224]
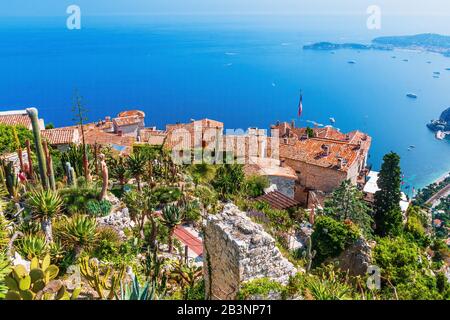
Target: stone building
[129, 123]
[323, 159]
[237, 250]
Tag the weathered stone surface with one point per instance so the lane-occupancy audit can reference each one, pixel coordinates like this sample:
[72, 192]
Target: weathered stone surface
[237, 250]
[356, 258]
[118, 220]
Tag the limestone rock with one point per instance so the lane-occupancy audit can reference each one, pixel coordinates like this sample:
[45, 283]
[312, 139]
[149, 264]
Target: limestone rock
[356, 258]
[237, 250]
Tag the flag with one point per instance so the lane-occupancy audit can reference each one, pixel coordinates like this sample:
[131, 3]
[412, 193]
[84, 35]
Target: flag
[300, 106]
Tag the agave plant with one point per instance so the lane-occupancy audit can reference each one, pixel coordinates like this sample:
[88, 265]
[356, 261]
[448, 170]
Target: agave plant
[133, 291]
[172, 216]
[80, 232]
[185, 275]
[44, 205]
[31, 246]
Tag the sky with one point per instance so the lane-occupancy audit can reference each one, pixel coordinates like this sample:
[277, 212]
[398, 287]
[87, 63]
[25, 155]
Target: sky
[127, 7]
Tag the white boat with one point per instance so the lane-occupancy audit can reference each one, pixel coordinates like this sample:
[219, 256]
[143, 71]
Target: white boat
[352, 62]
[440, 135]
[332, 120]
[412, 95]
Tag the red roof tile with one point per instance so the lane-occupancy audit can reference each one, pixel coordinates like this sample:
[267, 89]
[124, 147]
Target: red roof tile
[277, 200]
[61, 136]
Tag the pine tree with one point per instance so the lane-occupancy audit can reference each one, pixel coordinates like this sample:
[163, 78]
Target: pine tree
[347, 203]
[388, 214]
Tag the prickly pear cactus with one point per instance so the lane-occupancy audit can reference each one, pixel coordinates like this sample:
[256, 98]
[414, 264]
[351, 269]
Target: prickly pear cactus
[38, 284]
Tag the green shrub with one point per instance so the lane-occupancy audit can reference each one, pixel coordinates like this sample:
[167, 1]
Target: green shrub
[76, 199]
[166, 195]
[98, 208]
[254, 186]
[331, 237]
[260, 287]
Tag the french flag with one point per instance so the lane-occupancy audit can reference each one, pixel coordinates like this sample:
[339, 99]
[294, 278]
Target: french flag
[300, 105]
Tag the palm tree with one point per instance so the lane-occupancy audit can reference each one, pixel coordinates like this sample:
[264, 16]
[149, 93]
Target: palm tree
[136, 167]
[80, 232]
[172, 217]
[44, 205]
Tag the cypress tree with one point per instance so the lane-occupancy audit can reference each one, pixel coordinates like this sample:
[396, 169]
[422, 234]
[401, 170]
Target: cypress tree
[388, 214]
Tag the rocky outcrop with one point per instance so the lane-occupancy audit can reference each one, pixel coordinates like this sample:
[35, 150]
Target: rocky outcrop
[443, 123]
[237, 250]
[118, 220]
[357, 258]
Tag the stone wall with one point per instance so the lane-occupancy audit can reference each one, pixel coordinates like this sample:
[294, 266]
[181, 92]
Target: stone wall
[284, 185]
[238, 250]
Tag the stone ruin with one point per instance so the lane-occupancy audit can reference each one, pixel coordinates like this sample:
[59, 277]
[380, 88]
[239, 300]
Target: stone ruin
[237, 250]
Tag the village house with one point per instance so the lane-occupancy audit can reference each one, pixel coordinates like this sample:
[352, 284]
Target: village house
[322, 159]
[18, 117]
[129, 123]
[61, 138]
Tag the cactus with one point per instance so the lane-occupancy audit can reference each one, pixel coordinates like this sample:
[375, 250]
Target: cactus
[33, 114]
[105, 282]
[49, 162]
[105, 176]
[38, 284]
[30, 172]
[309, 254]
[12, 183]
[18, 147]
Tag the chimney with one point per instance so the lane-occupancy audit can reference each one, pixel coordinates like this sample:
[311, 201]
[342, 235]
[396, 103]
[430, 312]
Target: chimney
[340, 163]
[326, 149]
[293, 123]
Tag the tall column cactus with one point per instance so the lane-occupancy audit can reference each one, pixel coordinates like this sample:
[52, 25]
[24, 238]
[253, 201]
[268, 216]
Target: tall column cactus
[49, 162]
[33, 114]
[30, 172]
[105, 176]
[18, 148]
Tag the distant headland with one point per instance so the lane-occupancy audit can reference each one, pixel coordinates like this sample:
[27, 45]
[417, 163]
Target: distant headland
[424, 42]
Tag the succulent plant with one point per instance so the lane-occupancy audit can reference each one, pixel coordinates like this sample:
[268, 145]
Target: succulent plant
[172, 216]
[38, 284]
[44, 205]
[80, 232]
[103, 279]
[31, 246]
[33, 115]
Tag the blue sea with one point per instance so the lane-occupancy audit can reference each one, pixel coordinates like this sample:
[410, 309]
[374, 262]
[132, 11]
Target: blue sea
[246, 71]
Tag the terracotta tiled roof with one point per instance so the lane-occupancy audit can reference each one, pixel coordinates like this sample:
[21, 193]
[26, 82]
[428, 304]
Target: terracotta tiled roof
[129, 113]
[277, 200]
[153, 137]
[268, 167]
[61, 136]
[127, 121]
[343, 149]
[15, 120]
[104, 138]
